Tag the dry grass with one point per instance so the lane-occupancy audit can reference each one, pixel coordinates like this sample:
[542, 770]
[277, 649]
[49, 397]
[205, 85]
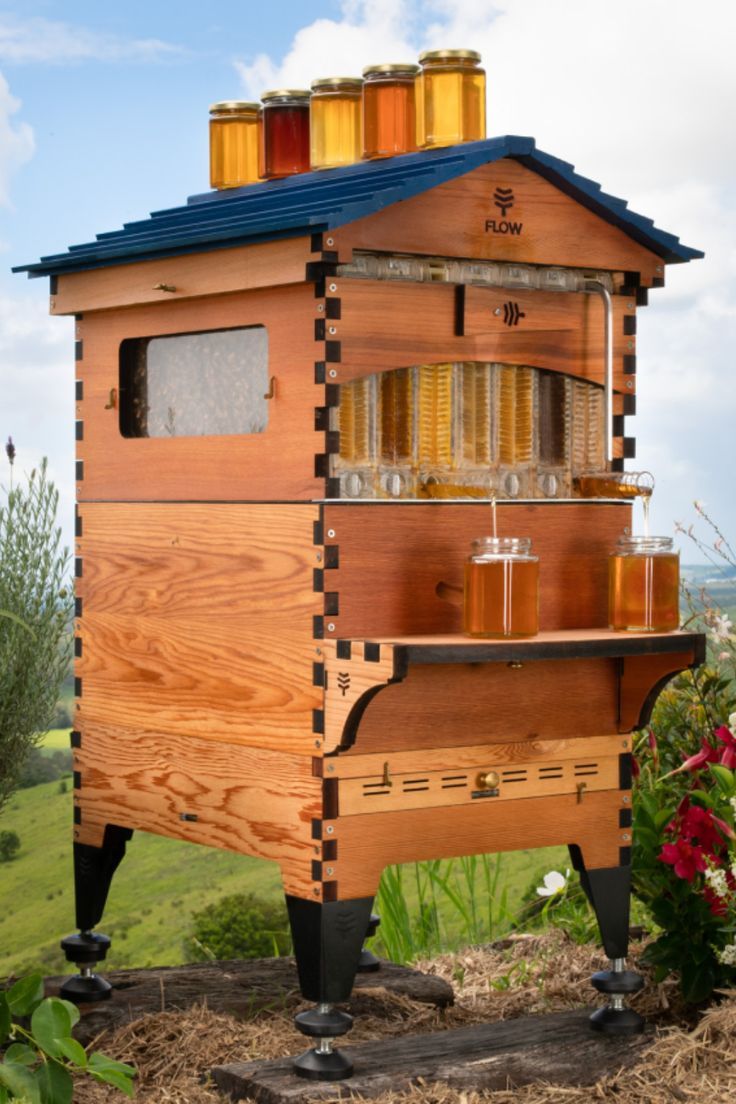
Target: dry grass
[172, 1051]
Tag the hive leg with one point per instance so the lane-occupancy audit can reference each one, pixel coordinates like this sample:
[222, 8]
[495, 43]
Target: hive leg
[609, 891]
[93, 871]
[368, 963]
[328, 938]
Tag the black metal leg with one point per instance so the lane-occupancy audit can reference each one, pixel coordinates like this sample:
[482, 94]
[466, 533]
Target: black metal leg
[93, 871]
[368, 963]
[328, 938]
[609, 891]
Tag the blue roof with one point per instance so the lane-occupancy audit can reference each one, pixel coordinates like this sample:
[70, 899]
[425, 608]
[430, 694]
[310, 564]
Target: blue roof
[320, 201]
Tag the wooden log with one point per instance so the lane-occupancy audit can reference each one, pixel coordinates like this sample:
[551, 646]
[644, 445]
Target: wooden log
[241, 988]
[560, 1049]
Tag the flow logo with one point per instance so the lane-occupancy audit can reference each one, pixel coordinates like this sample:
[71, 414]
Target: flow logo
[504, 199]
[511, 313]
[343, 681]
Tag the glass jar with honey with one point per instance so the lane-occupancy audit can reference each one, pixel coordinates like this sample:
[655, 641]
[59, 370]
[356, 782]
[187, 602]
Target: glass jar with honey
[285, 132]
[389, 110]
[501, 591]
[644, 585]
[235, 141]
[453, 90]
[336, 122]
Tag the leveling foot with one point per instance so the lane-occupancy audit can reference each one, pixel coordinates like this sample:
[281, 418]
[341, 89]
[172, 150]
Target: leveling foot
[617, 1018]
[323, 1062]
[85, 950]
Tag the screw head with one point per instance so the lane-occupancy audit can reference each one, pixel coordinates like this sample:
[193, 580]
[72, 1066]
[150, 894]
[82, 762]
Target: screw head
[626, 799]
[630, 306]
[330, 533]
[626, 837]
[319, 557]
[318, 743]
[330, 869]
[332, 373]
[330, 768]
[629, 384]
[332, 329]
[330, 241]
[330, 626]
[329, 830]
[320, 307]
[332, 287]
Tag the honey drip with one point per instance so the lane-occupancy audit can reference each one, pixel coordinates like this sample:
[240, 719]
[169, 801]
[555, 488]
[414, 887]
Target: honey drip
[434, 414]
[396, 415]
[477, 448]
[515, 414]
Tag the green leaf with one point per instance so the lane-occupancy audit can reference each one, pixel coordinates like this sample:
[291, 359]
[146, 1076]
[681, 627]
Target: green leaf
[3, 1095]
[71, 1009]
[74, 1051]
[664, 816]
[50, 1023]
[20, 1082]
[99, 1061]
[5, 1019]
[25, 995]
[21, 1054]
[56, 1084]
[724, 778]
[114, 1077]
[17, 621]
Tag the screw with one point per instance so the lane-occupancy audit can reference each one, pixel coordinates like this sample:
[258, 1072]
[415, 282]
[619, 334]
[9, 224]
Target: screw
[318, 743]
[330, 768]
[320, 307]
[315, 891]
[330, 626]
[625, 743]
[330, 829]
[319, 557]
[629, 384]
[627, 533]
[316, 850]
[332, 373]
[659, 267]
[333, 287]
[330, 533]
[331, 241]
[318, 651]
[629, 306]
[497, 310]
[332, 329]
[626, 799]
[626, 837]
[330, 870]
[629, 344]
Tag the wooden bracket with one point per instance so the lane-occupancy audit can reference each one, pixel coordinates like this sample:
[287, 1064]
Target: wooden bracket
[354, 673]
[642, 679]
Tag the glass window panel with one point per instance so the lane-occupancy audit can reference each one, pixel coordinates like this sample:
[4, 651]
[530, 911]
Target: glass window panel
[195, 385]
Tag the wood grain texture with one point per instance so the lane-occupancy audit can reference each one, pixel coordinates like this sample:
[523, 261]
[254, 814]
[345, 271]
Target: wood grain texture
[197, 621]
[275, 464]
[241, 268]
[641, 677]
[346, 683]
[254, 802]
[559, 331]
[365, 844]
[461, 704]
[392, 556]
[450, 220]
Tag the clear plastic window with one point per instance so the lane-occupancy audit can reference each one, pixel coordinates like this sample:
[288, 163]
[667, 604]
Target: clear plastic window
[195, 385]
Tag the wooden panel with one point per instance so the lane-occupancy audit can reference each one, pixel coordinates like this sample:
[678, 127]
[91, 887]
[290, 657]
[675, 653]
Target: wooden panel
[365, 844]
[197, 620]
[453, 220]
[278, 463]
[191, 274]
[444, 706]
[253, 802]
[392, 557]
[386, 324]
[642, 680]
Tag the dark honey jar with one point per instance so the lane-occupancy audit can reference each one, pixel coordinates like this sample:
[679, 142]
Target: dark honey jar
[285, 132]
[644, 585]
[501, 591]
[389, 110]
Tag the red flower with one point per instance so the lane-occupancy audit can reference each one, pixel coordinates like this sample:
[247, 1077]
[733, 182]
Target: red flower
[716, 904]
[635, 768]
[686, 859]
[707, 754]
[728, 755]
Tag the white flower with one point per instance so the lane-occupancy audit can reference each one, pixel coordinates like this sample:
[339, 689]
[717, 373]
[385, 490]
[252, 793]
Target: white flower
[721, 629]
[716, 879]
[728, 955]
[731, 723]
[554, 882]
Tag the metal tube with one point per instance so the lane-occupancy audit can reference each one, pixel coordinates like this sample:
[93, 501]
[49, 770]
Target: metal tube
[594, 287]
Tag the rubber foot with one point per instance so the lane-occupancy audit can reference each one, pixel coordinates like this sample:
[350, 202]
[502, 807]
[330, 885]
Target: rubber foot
[373, 923]
[611, 1021]
[321, 1025]
[368, 963]
[625, 981]
[335, 1066]
[86, 990]
[85, 948]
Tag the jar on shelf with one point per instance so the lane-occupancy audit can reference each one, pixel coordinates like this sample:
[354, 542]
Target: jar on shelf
[235, 142]
[501, 588]
[285, 132]
[389, 110]
[336, 122]
[644, 585]
[615, 485]
[452, 86]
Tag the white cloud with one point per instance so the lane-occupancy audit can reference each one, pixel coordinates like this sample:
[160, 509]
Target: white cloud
[49, 41]
[16, 140]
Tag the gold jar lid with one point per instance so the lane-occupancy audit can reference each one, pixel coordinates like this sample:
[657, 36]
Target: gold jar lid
[287, 95]
[330, 84]
[392, 69]
[448, 55]
[235, 107]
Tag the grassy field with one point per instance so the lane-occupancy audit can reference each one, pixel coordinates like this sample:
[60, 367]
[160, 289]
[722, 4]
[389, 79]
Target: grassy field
[56, 739]
[157, 887]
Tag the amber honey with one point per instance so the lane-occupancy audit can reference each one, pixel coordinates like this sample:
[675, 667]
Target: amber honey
[389, 110]
[453, 89]
[615, 485]
[501, 588]
[336, 122]
[235, 141]
[644, 585]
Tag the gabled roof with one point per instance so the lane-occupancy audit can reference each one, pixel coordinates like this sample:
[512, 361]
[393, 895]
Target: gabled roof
[319, 201]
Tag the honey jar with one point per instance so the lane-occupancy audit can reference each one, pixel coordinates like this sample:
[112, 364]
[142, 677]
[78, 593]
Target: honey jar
[644, 585]
[389, 110]
[285, 132]
[501, 588]
[336, 122]
[235, 140]
[453, 90]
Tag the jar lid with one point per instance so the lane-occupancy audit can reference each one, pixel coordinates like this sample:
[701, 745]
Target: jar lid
[287, 95]
[448, 55]
[392, 69]
[644, 545]
[349, 83]
[502, 546]
[235, 107]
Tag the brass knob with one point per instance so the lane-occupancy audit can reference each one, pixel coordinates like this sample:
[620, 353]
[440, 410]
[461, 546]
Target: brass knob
[488, 780]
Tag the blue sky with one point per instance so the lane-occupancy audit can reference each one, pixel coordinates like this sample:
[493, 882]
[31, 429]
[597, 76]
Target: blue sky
[103, 118]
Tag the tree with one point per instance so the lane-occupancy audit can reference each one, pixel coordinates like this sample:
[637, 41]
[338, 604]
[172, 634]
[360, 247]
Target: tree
[9, 846]
[239, 926]
[35, 613]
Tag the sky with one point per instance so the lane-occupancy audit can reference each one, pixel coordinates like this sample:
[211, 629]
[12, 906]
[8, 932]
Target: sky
[103, 118]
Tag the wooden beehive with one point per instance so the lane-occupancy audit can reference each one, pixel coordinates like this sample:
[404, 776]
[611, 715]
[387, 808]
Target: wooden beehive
[268, 666]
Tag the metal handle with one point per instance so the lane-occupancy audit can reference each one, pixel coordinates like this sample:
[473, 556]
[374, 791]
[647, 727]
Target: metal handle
[594, 287]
